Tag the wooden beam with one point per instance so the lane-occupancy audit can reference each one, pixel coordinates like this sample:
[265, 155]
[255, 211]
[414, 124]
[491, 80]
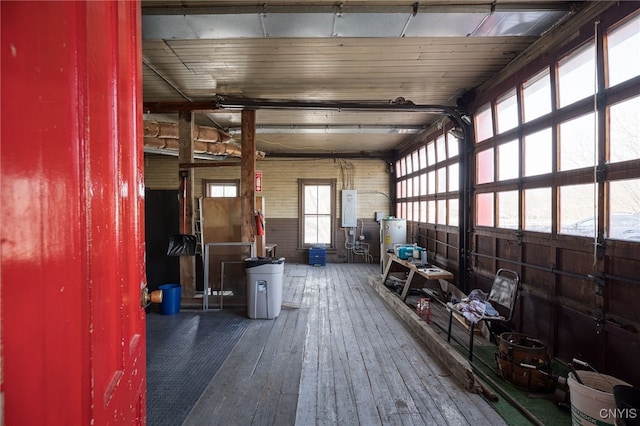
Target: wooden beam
[185, 155]
[248, 174]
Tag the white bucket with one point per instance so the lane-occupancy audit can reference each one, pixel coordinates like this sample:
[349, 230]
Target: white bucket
[592, 403]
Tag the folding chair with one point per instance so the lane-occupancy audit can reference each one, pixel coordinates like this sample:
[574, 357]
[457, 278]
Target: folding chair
[503, 295]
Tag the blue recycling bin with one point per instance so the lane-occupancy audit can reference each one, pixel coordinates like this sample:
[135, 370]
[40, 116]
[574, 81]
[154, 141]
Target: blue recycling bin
[171, 294]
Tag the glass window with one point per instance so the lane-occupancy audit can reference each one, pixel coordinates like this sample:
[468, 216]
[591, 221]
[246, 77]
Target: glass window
[409, 211]
[537, 153]
[431, 211]
[507, 202]
[423, 158]
[454, 177]
[431, 182]
[577, 142]
[441, 148]
[453, 212]
[416, 186]
[409, 164]
[536, 96]
[537, 209]
[431, 153]
[624, 201]
[442, 179]
[409, 184]
[402, 210]
[452, 145]
[576, 75]
[442, 212]
[416, 211]
[423, 184]
[577, 210]
[508, 160]
[507, 112]
[483, 123]
[402, 189]
[415, 161]
[484, 209]
[317, 213]
[221, 188]
[623, 51]
[400, 168]
[423, 211]
[624, 130]
[484, 166]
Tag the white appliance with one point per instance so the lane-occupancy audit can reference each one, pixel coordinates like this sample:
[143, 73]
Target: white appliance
[392, 231]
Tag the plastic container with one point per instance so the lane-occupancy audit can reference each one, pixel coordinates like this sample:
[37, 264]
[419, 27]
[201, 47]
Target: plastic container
[592, 402]
[171, 294]
[264, 287]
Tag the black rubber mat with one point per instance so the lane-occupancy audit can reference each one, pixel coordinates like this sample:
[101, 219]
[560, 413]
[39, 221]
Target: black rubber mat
[184, 352]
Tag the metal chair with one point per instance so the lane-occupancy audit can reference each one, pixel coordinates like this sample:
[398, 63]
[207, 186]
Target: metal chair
[503, 295]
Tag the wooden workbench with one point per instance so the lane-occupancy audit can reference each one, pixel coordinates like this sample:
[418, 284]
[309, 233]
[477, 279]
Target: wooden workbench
[430, 274]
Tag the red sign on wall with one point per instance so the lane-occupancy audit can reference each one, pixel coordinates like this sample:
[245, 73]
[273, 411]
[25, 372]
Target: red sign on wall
[258, 180]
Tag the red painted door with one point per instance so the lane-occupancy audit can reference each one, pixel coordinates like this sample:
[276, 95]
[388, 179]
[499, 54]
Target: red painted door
[72, 244]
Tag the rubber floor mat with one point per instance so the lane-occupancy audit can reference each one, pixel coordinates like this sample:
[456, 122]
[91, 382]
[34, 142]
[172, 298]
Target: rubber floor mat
[184, 352]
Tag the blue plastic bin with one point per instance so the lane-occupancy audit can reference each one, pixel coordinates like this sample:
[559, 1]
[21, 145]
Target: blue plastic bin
[171, 294]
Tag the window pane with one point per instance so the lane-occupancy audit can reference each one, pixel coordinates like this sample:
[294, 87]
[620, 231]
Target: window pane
[537, 153]
[230, 191]
[452, 145]
[415, 161]
[442, 212]
[537, 96]
[507, 112]
[441, 148]
[324, 199]
[409, 211]
[624, 199]
[577, 142]
[431, 182]
[537, 209]
[577, 206]
[324, 229]
[409, 187]
[454, 177]
[623, 45]
[416, 211]
[431, 153]
[310, 229]
[507, 209]
[442, 179]
[423, 158]
[484, 209]
[508, 158]
[576, 75]
[453, 212]
[409, 164]
[484, 166]
[400, 168]
[310, 199]
[483, 123]
[431, 211]
[624, 130]
[423, 184]
[216, 191]
[423, 211]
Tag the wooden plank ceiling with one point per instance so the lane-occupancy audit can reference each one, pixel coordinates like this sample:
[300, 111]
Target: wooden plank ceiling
[428, 53]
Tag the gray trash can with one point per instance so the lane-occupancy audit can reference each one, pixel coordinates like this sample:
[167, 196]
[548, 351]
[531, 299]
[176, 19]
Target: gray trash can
[264, 286]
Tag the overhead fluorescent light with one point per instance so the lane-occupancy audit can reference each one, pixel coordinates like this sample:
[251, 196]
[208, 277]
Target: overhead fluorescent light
[333, 129]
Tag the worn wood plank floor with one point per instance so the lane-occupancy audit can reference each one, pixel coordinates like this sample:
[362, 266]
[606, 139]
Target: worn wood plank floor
[337, 355]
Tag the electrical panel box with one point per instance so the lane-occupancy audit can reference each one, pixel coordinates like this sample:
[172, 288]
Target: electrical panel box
[349, 208]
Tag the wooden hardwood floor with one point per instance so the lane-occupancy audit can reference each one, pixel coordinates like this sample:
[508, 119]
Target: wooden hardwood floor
[336, 355]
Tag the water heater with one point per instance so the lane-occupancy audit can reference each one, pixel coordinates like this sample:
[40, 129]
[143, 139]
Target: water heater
[392, 231]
